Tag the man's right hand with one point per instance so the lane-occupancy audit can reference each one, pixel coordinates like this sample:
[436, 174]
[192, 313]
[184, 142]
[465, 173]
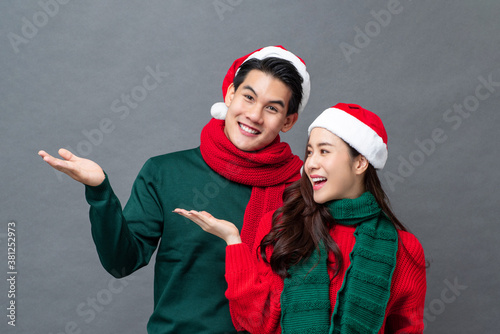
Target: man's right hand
[82, 170]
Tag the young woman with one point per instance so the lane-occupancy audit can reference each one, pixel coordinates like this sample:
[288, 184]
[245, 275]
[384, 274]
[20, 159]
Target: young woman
[334, 258]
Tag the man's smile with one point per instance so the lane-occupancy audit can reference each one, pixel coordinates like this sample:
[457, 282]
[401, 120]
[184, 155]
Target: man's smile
[248, 130]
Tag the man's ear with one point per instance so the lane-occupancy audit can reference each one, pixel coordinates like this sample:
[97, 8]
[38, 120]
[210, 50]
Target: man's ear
[290, 120]
[229, 95]
[360, 164]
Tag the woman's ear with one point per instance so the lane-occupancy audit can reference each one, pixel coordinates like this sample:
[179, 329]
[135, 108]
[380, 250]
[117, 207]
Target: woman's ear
[360, 164]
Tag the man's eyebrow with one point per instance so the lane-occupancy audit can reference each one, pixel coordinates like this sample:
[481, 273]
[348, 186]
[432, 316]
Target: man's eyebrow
[251, 89]
[280, 102]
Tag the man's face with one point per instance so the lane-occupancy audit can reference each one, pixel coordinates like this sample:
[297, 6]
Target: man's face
[257, 111]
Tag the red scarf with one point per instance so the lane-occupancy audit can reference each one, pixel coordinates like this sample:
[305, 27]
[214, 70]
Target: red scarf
[268, 171]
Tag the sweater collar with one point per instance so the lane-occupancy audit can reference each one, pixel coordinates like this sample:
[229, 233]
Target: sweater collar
[354, 211]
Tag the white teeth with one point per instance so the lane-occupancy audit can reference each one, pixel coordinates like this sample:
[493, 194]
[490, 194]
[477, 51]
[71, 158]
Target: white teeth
[318, 179]
[247, 129]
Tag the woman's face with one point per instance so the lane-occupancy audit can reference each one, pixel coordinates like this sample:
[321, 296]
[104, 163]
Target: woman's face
[332, 172]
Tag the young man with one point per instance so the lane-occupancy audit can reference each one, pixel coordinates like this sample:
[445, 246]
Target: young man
[238, 173]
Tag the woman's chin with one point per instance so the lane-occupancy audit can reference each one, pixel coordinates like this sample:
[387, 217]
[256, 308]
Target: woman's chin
[319, 200]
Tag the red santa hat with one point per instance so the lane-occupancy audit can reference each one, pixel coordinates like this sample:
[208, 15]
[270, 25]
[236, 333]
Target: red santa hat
[358, 127]
[219, 109]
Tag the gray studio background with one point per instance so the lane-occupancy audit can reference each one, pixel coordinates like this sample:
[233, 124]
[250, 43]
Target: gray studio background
[430, 69]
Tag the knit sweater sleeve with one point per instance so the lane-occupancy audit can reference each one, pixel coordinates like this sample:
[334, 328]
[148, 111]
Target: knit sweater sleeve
[125, 239]
[406, 308]
[254, 290]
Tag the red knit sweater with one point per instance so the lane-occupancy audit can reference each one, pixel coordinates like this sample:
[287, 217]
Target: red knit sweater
[254, 290]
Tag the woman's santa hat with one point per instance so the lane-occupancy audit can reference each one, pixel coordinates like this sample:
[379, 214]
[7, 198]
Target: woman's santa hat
[219, 109]
[358, 127]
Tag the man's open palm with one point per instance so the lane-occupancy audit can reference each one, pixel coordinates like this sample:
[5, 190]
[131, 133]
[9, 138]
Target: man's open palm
[82, 170]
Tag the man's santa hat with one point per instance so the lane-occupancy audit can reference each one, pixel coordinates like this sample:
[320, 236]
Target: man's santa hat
[219, 109]
[358, 127]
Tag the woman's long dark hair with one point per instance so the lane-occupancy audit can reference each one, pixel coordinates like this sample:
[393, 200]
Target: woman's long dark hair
[300, 224]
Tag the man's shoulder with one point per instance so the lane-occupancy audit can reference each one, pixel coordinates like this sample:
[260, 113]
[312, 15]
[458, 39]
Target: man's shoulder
[177, 157]
[175, 162]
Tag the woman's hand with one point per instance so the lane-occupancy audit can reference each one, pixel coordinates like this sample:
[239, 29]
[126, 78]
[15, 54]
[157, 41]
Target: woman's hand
[82, 170]
[221, 228]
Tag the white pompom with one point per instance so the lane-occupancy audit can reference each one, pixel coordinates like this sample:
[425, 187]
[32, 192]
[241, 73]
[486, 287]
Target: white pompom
[219, 110]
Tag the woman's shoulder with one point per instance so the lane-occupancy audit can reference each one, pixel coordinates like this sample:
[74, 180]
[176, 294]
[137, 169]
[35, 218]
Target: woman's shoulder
[410, 247]
[265, 225]
[266, 222]
[268, 217]
[409, 238]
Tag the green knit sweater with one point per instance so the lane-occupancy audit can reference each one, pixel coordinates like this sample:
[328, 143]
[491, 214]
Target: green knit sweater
[189, 281]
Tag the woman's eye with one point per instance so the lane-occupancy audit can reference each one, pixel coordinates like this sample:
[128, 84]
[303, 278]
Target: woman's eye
[324, 152]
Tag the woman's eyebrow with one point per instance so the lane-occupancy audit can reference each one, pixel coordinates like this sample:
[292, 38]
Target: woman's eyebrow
[321, 144]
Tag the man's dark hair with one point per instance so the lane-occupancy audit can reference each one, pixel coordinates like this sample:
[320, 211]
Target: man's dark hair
[280, 69]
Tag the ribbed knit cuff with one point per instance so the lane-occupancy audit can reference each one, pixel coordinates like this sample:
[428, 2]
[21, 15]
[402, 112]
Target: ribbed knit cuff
[98, 193]
[241, 272]
[238, 258]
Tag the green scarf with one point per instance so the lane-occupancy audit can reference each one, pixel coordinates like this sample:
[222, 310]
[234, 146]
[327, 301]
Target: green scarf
[363, 297]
